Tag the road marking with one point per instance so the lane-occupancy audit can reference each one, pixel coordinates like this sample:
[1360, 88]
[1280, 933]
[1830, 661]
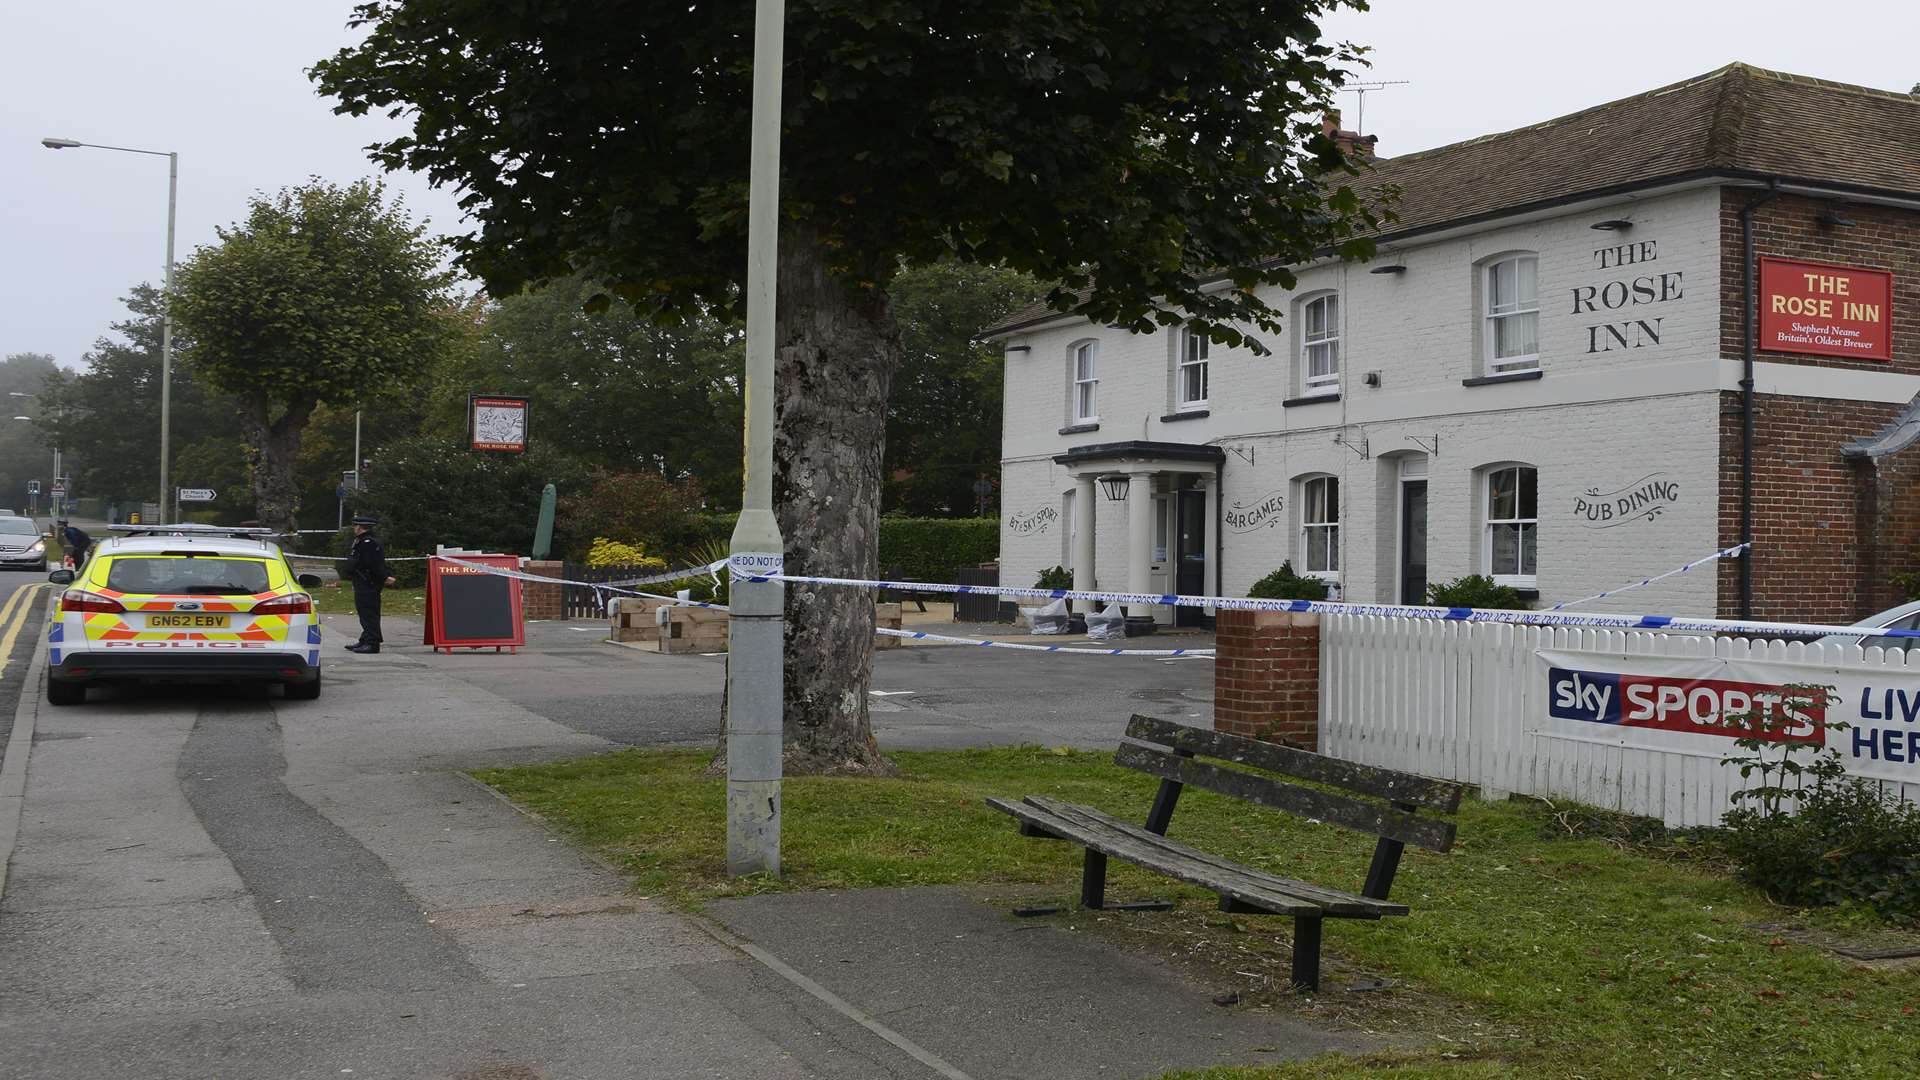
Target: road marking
[890, 693]
[17, 608]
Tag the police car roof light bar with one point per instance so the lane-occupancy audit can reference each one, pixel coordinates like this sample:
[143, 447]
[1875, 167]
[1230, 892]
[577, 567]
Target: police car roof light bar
[193, 529]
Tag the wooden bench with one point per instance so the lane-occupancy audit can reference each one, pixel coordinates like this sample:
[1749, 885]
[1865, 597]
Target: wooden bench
[1173, 753]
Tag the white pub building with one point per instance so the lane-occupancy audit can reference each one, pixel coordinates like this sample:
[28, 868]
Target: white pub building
[1538, 377]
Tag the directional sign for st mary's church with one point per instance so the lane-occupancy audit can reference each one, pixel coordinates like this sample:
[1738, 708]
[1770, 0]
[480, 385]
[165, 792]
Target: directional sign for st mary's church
[196, 495]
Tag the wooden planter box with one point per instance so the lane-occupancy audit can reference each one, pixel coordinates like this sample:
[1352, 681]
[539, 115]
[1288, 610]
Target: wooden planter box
[636, 618]
[685, 629]
[889, 616]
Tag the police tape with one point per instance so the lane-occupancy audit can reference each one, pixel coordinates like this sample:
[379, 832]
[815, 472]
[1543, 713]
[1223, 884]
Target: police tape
[1727, 553]
[710, 570]
[921, 635]
[1331, 607]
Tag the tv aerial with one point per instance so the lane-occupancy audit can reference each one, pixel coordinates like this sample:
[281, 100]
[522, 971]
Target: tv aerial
[1360, 91]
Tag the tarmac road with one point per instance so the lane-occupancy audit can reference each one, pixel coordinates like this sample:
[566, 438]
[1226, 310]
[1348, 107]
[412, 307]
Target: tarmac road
[217, 882]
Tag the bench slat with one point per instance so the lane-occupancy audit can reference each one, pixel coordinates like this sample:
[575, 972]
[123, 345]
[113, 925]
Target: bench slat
[1390, 784]
[1119, 840]
[1434, 834]
[1335, 901]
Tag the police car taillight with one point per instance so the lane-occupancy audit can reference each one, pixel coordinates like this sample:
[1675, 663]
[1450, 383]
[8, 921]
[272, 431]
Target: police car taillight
[296, 604]
[82, 600]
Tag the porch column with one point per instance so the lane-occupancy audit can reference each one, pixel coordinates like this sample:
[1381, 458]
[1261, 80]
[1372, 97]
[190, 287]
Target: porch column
[1084, 518]
[1140, 538]
[1212, 533]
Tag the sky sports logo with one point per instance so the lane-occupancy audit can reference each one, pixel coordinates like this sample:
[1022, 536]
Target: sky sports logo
[1671, 703]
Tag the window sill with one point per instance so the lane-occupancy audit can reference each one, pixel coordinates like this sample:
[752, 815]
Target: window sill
[1081, 428]
[1504, 377]
[1311, 399]
[1185, 414]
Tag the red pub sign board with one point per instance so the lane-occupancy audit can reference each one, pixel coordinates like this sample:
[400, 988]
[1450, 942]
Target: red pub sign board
[1825, 310]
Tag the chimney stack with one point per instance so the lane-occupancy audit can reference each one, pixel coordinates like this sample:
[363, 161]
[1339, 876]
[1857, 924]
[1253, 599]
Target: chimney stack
[1355, 146]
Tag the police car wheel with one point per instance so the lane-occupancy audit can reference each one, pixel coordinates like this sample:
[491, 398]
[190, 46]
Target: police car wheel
[304, 691]
[66, 693]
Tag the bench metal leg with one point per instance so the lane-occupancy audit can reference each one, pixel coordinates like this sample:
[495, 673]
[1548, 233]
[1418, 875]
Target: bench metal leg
[1306, 952]
[1093, 880]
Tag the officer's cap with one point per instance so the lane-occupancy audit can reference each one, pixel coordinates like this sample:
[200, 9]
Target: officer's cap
[365, 519]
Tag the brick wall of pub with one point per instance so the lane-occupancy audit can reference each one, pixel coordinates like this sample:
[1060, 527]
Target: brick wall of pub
[1880, 238]
[1828, 533]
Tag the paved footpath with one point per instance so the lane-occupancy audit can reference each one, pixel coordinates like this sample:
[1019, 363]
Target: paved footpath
[226, 884]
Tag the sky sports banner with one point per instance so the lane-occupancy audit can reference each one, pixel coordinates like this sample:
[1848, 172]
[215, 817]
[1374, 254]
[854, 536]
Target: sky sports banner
[1677, 703]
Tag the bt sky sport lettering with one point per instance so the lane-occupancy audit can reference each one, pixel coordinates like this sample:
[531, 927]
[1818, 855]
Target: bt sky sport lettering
[1032, 522]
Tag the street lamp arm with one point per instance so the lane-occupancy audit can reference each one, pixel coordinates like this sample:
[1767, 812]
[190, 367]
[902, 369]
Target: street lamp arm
[67, 144]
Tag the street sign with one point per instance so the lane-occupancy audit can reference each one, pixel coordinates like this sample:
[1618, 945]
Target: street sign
[33, 487]
[59, 488]
[196, 495]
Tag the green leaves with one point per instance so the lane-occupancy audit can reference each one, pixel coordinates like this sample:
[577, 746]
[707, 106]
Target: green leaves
[1058, 137]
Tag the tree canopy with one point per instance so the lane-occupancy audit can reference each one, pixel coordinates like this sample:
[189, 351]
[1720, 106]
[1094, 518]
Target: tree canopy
[1133, 153]
[322, 294]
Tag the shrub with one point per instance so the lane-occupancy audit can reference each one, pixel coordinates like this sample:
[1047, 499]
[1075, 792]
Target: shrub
[1055, 577]
[1476, 591]
[713, 588]
[645, 507]
[1284, 584]
[1807, 833]
[931, 549]
[426, 491]
[605, 552]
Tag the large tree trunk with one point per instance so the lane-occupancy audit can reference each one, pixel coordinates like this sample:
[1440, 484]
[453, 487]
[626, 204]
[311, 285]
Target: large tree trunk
[837, 349]
[273, 448]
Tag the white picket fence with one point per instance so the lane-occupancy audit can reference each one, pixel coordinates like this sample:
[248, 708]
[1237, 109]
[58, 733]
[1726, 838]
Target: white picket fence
[1466, 701]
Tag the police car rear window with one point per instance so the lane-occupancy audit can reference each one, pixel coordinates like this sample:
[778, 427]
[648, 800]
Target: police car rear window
[173, 574]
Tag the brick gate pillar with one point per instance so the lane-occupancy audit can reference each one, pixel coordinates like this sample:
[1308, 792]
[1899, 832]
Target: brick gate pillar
[1266, 676]
[538, 601]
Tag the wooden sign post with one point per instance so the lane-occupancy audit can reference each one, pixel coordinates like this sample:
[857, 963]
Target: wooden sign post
[469, 608]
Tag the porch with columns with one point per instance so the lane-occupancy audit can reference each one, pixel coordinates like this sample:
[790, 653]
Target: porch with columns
[1145, 472]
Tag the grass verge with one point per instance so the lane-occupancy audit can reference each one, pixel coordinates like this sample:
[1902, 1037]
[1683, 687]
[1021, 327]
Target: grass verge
[1549, 956]
[332, 601]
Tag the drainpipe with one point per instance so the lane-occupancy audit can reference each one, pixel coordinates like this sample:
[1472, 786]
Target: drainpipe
[1749, 334]
[1219, 534]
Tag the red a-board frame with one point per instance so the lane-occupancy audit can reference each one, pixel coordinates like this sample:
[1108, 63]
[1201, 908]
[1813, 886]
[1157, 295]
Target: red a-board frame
[436, 629]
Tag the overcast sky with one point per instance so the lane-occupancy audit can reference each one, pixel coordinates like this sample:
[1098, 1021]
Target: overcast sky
[222, 83]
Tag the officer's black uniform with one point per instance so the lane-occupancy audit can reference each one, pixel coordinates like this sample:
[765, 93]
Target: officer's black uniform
[367, 570]
[77, 543]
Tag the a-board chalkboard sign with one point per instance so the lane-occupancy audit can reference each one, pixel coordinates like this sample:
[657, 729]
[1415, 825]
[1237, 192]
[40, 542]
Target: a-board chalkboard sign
[468, 608]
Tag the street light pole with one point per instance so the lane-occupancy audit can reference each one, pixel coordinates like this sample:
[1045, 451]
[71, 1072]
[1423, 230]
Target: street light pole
[756, 629]
[166, 346]
[166, 312]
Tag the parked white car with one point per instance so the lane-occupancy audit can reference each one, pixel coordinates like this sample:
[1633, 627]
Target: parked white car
[1904, 617]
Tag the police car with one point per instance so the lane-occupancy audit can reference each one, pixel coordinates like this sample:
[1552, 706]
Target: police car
[183, 603]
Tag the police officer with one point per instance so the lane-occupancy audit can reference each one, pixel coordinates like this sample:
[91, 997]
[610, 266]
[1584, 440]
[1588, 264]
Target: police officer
[366, 568]
[76, 541]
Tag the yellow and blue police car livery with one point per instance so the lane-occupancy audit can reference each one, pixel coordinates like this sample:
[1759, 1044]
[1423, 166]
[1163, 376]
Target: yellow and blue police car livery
[187, 604]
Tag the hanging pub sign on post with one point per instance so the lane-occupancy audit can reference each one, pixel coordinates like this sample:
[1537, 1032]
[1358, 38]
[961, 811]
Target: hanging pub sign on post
[497, 423]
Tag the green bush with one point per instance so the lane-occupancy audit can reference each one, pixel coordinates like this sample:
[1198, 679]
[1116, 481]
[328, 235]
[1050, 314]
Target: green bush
[932, 549]
[1476, 591]
[1284, 584]
[1055, 577]
[427, 491]
[1848, 843]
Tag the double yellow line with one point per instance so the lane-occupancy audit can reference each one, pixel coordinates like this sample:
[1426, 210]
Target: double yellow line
[13, 616]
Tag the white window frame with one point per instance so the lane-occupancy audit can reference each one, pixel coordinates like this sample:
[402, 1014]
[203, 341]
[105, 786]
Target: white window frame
[1085, 379]
[1330, 525]
[1526, 577]
[1194, 353]
[1328, 341]
[1493, 314]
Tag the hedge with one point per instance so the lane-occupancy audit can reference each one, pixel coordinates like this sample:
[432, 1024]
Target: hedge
[931, 549]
